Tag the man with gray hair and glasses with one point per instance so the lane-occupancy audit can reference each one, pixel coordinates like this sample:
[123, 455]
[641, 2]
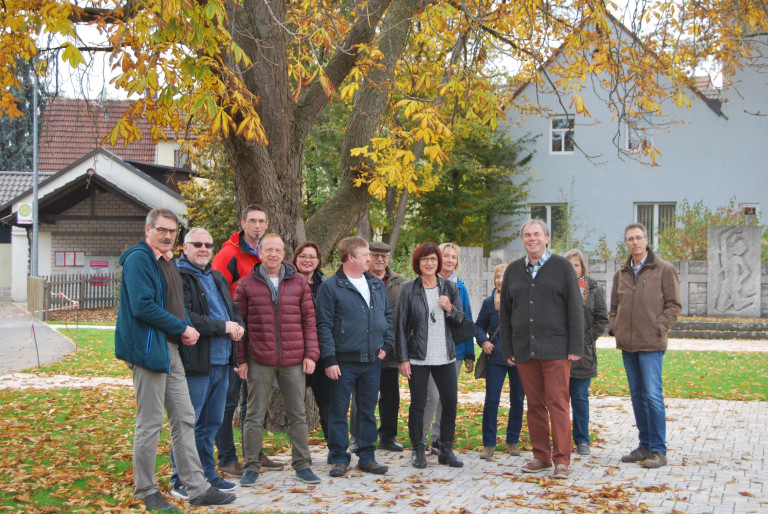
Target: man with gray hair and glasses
[207, 363]
[152, 324]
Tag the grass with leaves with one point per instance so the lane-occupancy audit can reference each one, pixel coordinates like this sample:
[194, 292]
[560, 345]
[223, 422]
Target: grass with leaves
[70, 449]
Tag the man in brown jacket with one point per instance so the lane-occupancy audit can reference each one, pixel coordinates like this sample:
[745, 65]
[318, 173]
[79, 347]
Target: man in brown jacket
[645, 303]
[281, 341]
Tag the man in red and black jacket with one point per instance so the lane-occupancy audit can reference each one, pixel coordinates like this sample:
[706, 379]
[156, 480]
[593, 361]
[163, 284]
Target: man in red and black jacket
[237, 257]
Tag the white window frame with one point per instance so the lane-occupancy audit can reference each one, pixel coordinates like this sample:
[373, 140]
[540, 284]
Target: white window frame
[563, 131]
[750, 209]
[548, 218]
[653, 230]
[641, 134]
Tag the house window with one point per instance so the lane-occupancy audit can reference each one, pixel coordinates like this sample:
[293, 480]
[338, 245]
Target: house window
[555, 216]
[639, 135]
[561, 134]
[180, 158]
[750, 211]
[656, 217]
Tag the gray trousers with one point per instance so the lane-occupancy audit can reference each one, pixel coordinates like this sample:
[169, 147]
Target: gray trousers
[433, 408]
[293, 387]
[157, 393]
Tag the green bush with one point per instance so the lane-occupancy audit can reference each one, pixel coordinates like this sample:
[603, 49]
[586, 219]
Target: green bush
[686, 240]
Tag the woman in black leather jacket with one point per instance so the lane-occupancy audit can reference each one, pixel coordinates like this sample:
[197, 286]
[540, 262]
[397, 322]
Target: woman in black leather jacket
[427, 308]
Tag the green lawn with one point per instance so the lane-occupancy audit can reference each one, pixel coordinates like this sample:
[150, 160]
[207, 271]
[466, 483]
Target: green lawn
[70, 449]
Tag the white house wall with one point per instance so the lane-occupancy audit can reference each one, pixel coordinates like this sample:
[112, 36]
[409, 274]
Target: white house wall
[704, 157]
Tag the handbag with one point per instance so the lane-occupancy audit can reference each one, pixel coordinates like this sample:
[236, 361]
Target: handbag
[480, 363]
[463, 331]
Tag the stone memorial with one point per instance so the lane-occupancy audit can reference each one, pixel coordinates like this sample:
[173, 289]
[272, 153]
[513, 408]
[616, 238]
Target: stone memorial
[733, 254]
[471, 273]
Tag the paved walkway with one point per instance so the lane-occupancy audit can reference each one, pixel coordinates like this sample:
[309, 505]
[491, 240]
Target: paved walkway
[18, 349]
[718, 459]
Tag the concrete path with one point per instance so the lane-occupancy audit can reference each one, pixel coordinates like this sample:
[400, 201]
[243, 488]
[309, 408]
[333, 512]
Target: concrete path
[17, 346]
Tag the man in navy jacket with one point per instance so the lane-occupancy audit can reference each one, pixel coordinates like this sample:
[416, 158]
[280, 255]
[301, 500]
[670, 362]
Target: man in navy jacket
[354, 328]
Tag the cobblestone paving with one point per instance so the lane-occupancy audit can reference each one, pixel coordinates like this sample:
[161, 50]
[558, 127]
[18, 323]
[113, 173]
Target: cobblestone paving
[718, 453]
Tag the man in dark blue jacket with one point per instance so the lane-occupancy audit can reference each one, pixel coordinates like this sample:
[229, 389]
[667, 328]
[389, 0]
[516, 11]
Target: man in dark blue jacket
[151, 323]
[354, 327]
[207, 363]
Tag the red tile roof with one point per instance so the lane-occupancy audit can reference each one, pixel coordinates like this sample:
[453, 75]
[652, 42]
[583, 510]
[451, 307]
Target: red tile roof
[72, 128]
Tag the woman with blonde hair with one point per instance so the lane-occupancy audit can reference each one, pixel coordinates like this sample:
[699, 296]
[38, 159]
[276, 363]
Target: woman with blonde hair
[585, 369]
[496, 370]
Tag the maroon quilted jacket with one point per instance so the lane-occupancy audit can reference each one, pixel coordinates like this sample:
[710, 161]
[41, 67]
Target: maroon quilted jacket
[296, 338]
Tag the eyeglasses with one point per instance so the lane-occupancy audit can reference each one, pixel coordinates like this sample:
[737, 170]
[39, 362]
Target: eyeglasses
[166, 231]
[432, 316]
[257, 222]
[200, 245]
[307, 257]
[429, 259]
[379, 256]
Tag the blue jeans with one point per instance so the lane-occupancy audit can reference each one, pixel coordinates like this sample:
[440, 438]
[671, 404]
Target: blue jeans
[494, 382]
[225, 440]
[208, 395]
[363, 378]
[579, 390]
[644, 377]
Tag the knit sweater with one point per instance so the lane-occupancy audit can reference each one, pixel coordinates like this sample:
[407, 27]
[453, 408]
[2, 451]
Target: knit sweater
[541, 318]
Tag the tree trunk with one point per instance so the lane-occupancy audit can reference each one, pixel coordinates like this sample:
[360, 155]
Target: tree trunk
[335, 219]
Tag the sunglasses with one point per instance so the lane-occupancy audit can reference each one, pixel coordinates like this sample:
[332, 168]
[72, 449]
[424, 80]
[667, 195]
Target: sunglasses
[200, 245]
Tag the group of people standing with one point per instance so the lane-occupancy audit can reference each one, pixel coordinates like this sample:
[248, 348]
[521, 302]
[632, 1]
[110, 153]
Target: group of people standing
[202, 334]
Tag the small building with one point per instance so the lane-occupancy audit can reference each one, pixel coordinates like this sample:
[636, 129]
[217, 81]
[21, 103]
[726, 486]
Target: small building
[92, 201]
[89, 212]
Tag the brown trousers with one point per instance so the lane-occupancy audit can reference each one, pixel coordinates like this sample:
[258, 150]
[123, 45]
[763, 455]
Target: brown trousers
[546, 388]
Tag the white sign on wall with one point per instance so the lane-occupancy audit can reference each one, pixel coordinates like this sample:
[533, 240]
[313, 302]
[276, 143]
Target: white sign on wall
[24, 216]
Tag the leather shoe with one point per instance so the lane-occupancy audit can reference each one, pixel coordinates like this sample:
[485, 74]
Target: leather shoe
[268, 463]
[372, 467]
[338, 470]
[391, 445]
[417, 458]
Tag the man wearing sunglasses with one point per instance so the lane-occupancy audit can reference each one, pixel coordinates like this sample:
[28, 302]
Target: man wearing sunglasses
[207, 364]
[152, 326]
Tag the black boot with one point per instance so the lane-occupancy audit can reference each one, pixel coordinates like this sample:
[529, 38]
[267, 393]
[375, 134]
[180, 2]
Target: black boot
[446, 456]
[417, 457]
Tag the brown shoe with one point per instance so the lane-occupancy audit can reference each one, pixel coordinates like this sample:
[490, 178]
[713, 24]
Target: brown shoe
[487, 452]
[268, 463]
[513, 450]
[561, 471]
[234, 469]
[656, 460]
[535, 466]
[636, 455]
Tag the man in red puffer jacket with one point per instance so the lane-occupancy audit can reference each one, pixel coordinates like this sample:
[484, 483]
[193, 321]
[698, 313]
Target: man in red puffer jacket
[279, 314]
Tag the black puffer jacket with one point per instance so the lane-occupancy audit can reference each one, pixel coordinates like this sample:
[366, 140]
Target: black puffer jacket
[413, 319]
[595, 322]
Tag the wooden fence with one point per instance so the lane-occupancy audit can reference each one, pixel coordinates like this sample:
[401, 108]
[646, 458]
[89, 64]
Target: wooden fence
[93, 291]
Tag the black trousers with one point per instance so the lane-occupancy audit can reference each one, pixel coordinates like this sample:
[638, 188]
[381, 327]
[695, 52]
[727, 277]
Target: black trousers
[321, 387]
[447, 385]
[389, 403]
